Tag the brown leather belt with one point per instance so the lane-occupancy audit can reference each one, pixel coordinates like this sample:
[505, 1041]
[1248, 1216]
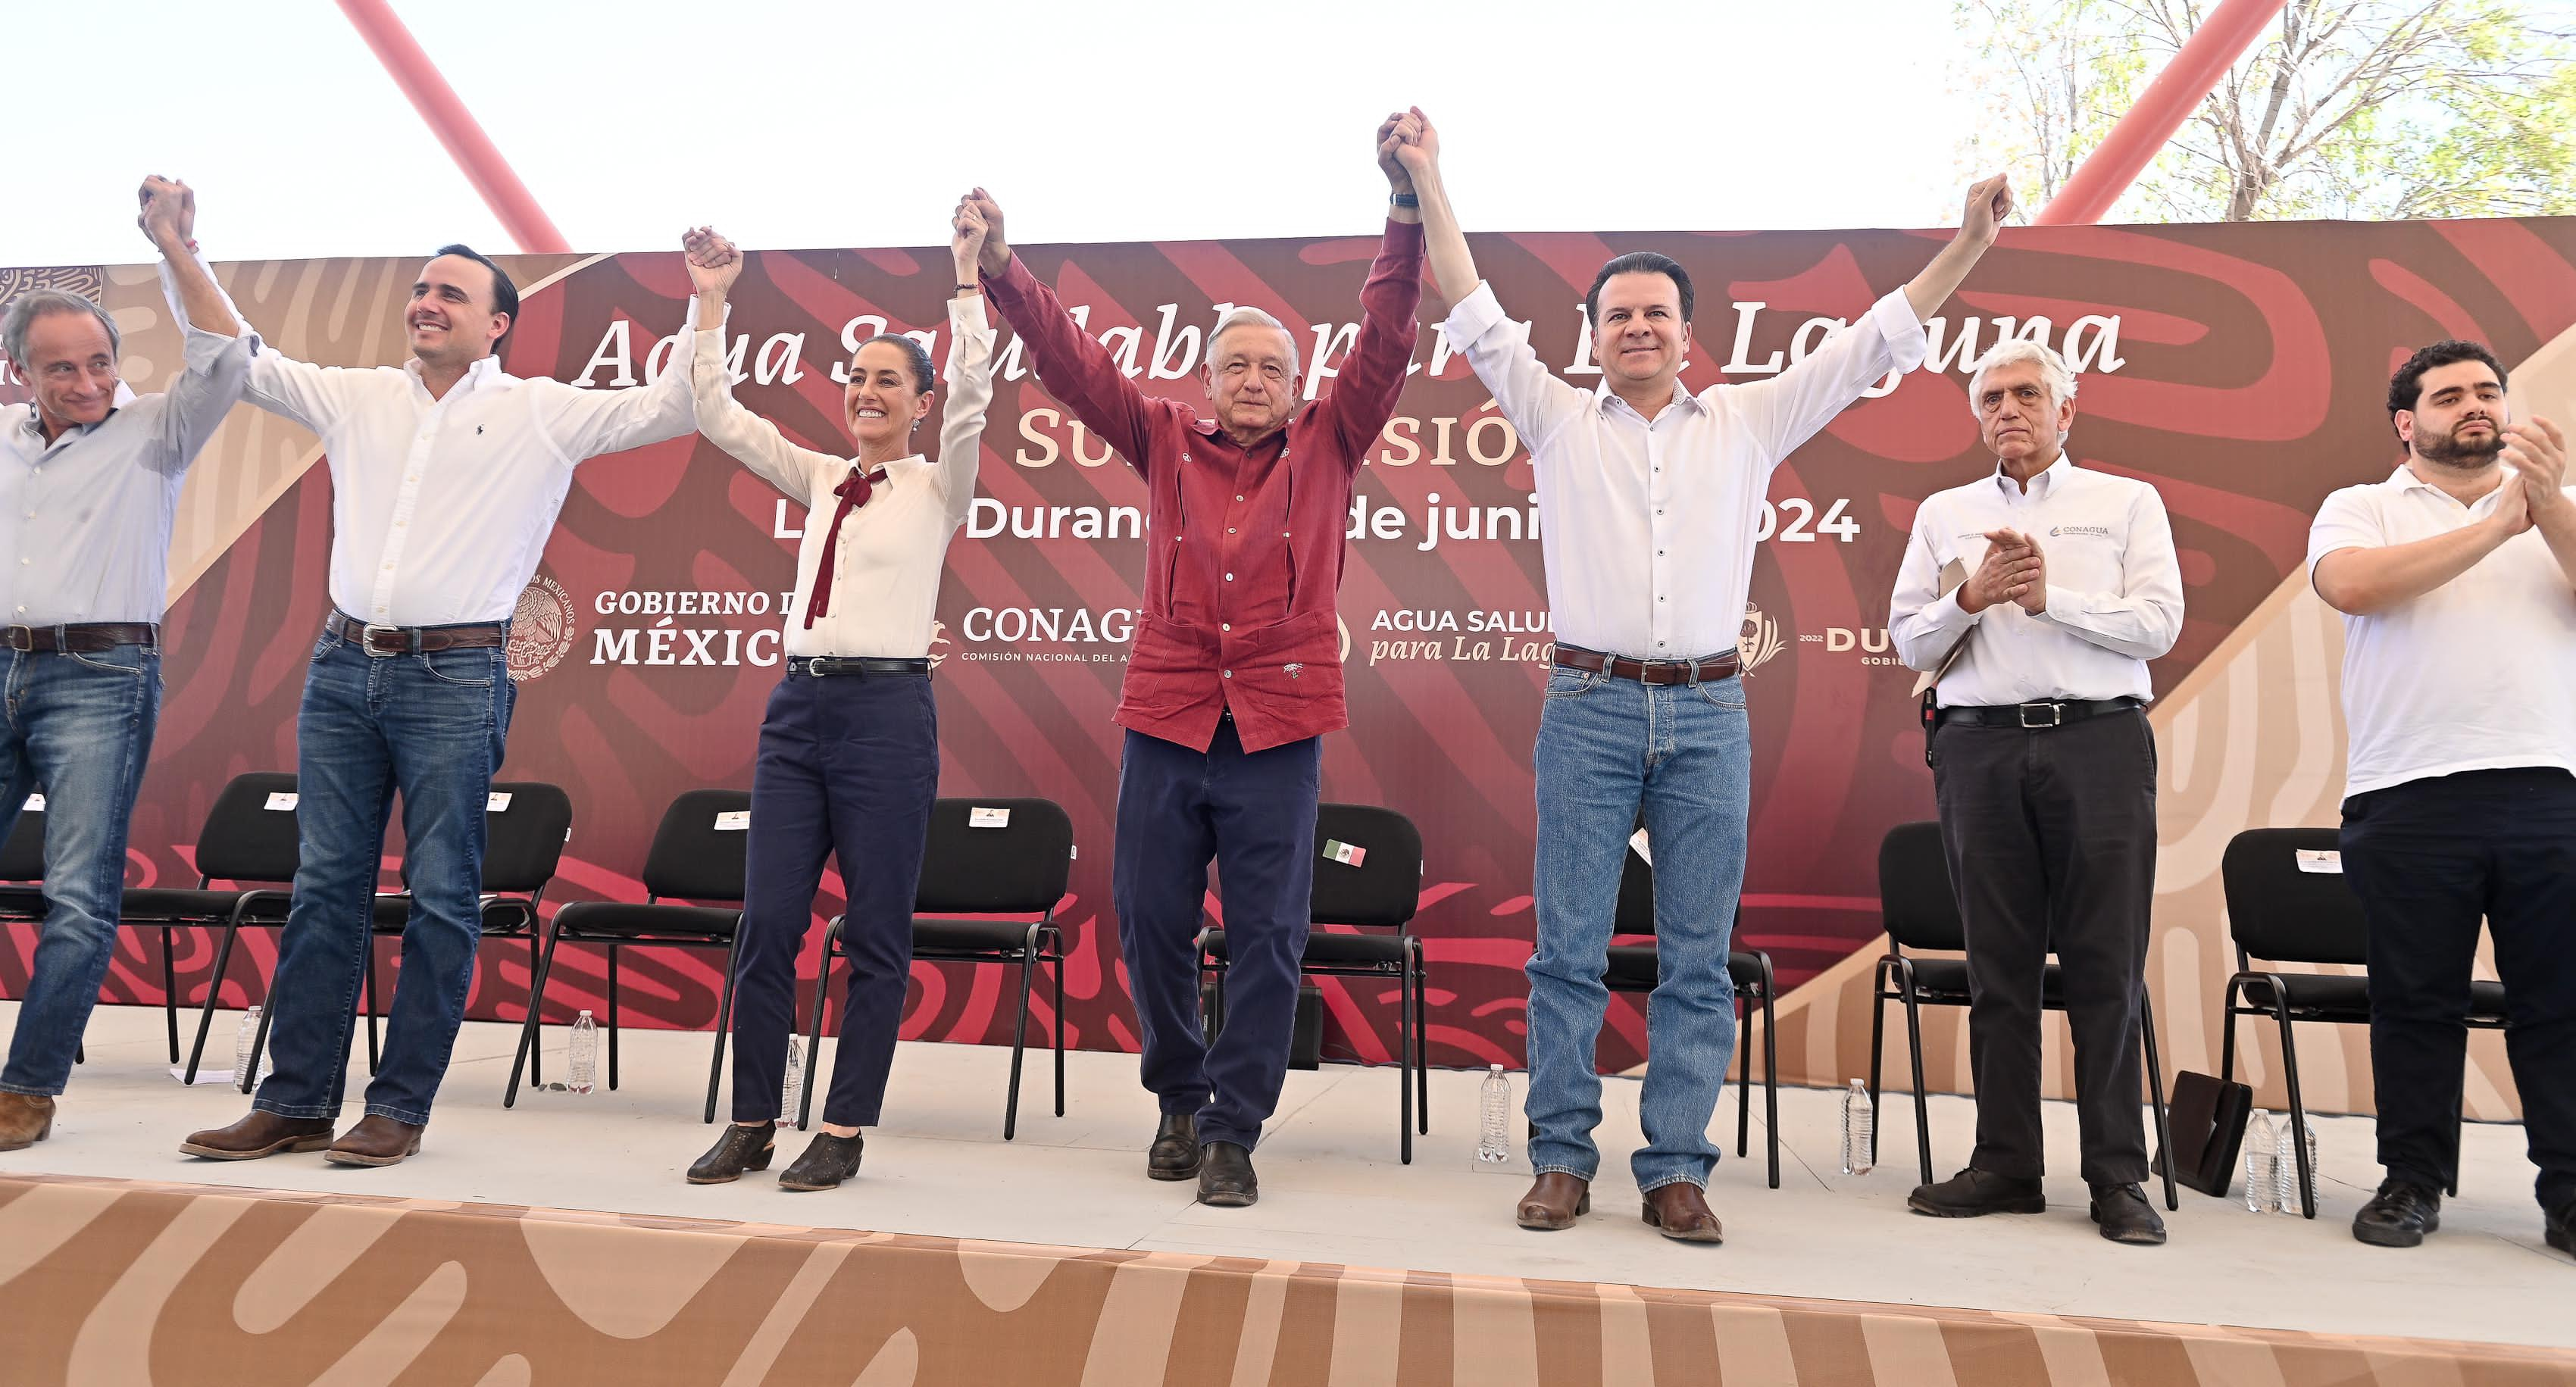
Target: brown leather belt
[1657, 672]
[86, 637]
[403, 640]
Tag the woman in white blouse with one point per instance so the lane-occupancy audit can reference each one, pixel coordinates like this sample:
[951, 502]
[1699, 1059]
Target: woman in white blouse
[849, 749]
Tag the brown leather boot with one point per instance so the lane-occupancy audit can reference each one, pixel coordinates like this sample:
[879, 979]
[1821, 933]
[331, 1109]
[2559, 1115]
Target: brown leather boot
[1681, 1211]
[25, 1119]
[1554, 1202]
[375, 1141]
[260, 1134]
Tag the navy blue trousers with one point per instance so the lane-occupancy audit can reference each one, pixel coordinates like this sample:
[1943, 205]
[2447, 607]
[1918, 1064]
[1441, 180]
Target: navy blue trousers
[1254, 815]
[849, 765]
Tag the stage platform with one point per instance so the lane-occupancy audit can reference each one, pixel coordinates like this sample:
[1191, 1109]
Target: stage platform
[558, 1243]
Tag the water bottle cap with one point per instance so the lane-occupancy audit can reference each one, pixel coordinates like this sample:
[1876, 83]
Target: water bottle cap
[585, 1016]
[1493, 1069]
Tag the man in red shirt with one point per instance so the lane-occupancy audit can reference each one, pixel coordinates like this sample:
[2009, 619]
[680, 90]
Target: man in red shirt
[1236, 671]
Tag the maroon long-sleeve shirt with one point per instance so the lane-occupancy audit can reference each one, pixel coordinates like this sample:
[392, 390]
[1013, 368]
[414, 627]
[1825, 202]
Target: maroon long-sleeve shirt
[1244, 546]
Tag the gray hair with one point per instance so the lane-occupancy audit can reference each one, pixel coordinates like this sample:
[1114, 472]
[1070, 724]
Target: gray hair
[36, 303]
[1240, 316]
[2013, 351]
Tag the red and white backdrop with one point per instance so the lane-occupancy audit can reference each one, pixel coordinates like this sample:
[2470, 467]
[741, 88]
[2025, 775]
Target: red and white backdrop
[2240, 368]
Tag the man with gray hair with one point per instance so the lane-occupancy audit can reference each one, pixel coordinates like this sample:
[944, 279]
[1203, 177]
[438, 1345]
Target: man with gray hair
[89, 487]
[1236, 672]
[2044, 768]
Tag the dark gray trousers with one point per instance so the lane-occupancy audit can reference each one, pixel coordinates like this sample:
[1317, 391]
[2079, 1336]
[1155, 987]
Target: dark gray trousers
[2051, 838]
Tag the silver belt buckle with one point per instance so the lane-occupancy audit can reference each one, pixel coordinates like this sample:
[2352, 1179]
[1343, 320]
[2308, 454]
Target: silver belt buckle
[22, 638]
[367, 641]
[2056, 715]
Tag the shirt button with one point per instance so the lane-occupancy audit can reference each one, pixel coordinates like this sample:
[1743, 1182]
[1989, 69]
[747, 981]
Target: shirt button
[1229, 577]
[1227, 673]
[1238, 498]
[1659, 645]
[1222, 625]
[1229, 529]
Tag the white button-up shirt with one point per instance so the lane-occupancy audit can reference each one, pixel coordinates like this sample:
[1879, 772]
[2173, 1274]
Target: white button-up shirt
[2114, 589]
[885, 572]
[85, 520]
[440, 507]
[2479, 673]
[1648, 526]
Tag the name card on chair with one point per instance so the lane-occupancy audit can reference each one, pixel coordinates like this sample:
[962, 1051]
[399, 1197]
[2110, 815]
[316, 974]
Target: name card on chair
[982, 817]
[733, 821]
[497, 802]
[35, 803]
[283, 801]
[1637, 845]
[1348, 854]
[2325, 860]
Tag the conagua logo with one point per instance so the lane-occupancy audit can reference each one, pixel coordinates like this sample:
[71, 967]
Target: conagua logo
[2086, 531]
[938, 638]
[541, 629]
[1759, 642]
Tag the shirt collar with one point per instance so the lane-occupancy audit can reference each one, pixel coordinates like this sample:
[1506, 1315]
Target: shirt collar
[2047, 483]
[486, 370]
[1602, 396]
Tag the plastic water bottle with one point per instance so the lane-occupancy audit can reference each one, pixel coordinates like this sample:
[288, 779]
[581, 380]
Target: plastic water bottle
[1494, 1136]
[794, 1088]
[2262, 1166]
[1858, 1129]
[244, 1036]
[584, 1060]
[2285, 1164]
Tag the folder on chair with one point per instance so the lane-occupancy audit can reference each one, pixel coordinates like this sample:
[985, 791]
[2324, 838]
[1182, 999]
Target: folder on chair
[2207, 1121]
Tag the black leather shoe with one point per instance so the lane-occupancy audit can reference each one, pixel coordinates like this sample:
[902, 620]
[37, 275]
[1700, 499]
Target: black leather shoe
[828, 1160]
[2560, 1229]
[2126, 1216]
[2399, 1215]
[1973, 1192]
[1226, 1180]
[739, 1149]
[1175, 1152]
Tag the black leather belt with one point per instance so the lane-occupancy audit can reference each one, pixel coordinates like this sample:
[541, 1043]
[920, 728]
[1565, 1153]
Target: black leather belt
[2037, 717]
[381, 641]
[825, 666]
[84, 637]
[1657, 672]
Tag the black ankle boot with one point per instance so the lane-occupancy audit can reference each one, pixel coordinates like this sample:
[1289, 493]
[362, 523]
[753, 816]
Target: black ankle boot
[739, 1149]
[828, 1160]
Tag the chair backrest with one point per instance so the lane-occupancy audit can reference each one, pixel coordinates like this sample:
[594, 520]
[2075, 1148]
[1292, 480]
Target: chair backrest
[1383, 887]
[1914, 897]
[22, 858]
[992, 856]
[525, 825]
[2280, 912]
[699, 852]
[249, 834]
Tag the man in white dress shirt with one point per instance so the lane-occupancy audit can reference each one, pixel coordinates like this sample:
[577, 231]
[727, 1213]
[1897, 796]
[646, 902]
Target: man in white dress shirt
[1648, 499]
[2045, 771]
[2459, 690]
[446, 474]
[89, 486]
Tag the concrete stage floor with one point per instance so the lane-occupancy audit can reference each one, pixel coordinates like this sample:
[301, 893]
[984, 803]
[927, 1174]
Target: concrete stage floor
[1332, 1190]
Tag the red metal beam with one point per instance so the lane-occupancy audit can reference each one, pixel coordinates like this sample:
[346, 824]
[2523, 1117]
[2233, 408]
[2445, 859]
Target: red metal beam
[2115, 163]
[455, 126]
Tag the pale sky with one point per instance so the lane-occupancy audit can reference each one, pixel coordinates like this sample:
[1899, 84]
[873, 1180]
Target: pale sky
[812, 125]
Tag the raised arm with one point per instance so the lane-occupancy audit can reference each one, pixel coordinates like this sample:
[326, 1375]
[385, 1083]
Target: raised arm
[714, 264]
[1369, 381]
[1989, 202]
[1074, 368]
[297, 390]
[583, 422]
[1529, 395]
[216, 352]
[970, 369]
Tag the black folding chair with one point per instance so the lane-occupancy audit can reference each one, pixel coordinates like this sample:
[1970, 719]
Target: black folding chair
[249, 836]
[697, 855]
[526, 823]
[1637, 968]
[983, 857]
[2280, 913]
[1381, 891]
[1920, 911]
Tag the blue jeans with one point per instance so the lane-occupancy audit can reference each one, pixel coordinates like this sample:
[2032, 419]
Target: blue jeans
[1684, 753]
[431, 726]
[79, 727]
[1254, 814]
